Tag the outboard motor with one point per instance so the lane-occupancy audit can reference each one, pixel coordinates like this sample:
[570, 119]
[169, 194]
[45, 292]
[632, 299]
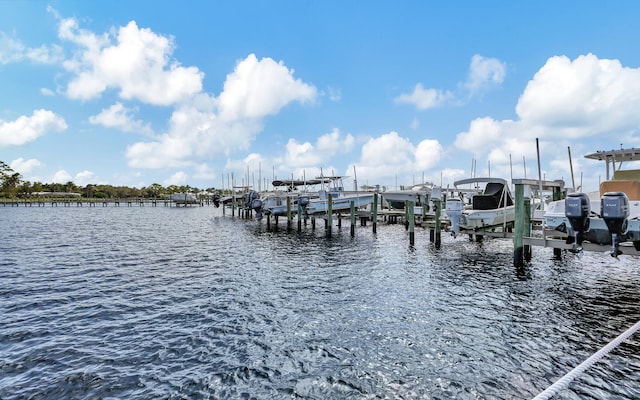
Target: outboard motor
[216, 200]
[454, 209]
[303, 201]
[615, 211]
[253, 202]
[577, 209]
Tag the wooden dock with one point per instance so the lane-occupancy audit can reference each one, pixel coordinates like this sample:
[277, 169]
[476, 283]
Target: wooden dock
[100, 202]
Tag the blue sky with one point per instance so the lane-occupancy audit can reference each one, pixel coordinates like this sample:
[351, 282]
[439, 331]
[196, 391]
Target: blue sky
[140, 92]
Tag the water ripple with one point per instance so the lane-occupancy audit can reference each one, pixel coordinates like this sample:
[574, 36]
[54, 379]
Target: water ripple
[137, 303]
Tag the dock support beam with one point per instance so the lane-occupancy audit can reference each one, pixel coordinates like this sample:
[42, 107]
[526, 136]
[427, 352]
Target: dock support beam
[438, 211]
[410, 209]
[329, 214]
[522, 228]
[353, 218]
[288, 213]
[374, 216]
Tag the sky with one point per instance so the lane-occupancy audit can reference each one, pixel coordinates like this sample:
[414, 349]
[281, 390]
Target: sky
[132, 93]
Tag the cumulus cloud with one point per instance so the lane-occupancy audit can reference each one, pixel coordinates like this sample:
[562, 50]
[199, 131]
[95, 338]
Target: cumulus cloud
[135, 61]
[391, 155]
[179, 178]
[25, 167]
[484, 72]
[120, 117]
[425, 98]
[209, 126]
[327, 146]
[27, 129]
[84, 178]
[13, 50]
[258, 88]
[61, 176]
[582, 97]
[566, 100]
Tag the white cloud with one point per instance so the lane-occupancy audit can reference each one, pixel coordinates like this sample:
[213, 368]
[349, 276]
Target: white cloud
[46, 92]
[566, 100]
[428, 154]
[25, 167]
[258, 88]
[483, 133]
[179, 178]
[61, 176]
[13, 50]
[84, 178]
[299, 155]
[425, 98]
[484, 72]
[27, 129]
[208, 126]
[584, 97]
[118, 116]
[392, 156]
[138, 64]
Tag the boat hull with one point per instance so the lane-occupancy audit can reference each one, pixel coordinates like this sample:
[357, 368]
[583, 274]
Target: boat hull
[319, 206]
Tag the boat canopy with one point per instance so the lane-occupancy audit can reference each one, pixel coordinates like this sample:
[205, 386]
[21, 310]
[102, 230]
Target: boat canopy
[479, 180]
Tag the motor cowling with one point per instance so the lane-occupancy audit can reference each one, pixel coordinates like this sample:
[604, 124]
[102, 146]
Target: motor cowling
[615, 211]
[453, 208]
[577, 209]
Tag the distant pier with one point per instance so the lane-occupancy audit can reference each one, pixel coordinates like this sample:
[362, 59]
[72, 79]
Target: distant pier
[125, 202]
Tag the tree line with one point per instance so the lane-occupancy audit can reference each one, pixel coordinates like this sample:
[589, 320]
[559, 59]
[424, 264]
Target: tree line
[13, 186]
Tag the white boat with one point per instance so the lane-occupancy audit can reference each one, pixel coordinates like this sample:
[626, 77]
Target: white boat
[339, 202]
[340, 199]
[183, 198]
[619, 194]
[418, 194]
[491, 206]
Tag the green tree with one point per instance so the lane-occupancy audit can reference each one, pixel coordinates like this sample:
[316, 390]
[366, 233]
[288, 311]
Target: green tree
[9, 179]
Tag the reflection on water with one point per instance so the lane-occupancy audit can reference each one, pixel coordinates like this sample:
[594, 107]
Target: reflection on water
[185, 303]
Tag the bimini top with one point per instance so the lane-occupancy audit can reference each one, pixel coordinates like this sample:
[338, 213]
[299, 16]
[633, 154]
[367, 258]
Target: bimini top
[632, 154]
[479, 180]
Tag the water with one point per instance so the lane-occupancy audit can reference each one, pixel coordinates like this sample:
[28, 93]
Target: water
[183, 303]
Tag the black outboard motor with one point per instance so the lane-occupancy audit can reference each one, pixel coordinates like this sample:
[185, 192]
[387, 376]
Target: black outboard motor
[577, 209]
[216, 200]
[615, 211]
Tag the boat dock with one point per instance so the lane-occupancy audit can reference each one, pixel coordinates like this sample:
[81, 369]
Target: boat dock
[526, 230]
[126, 202]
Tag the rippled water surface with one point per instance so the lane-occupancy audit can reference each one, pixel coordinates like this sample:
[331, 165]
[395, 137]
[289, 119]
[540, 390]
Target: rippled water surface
[173, 303]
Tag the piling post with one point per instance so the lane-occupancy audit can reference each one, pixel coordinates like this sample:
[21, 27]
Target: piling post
[233, 205]
[353, 218]
[438, 234]
[409, 207]
[518, 247]
[299, 218]
[329, 214]
[269, 221]
[289, 213]
[527, 227]
[406, 215]
[374, 216]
